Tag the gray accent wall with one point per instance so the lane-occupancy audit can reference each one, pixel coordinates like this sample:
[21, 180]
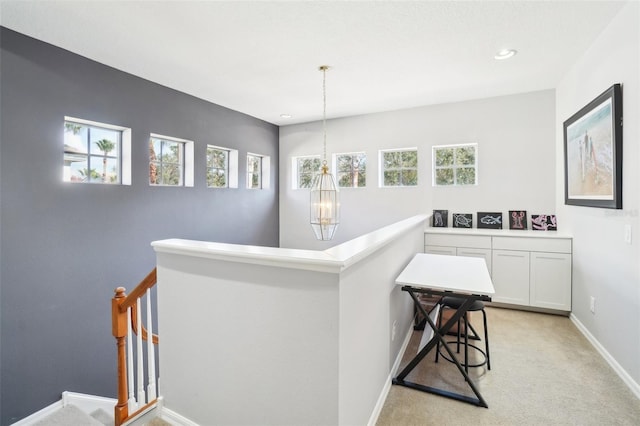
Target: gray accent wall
[66, 246]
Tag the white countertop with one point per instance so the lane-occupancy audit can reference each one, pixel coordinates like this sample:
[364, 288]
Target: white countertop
[496, 232]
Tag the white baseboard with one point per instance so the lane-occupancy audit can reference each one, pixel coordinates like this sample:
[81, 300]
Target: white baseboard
[175, 418]
[626, 378]
[373, 419]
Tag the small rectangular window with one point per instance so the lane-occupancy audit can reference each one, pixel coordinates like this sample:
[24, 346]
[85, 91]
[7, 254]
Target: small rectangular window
[351, 170]
[399, 167]
[92, 152]
[254, 171]
[170, 161]
[217, 167]
[166, 161]
[305, 170]
[455, 165]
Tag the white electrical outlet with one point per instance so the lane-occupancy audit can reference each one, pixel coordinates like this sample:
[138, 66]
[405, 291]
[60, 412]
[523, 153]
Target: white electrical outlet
[627, 234]
[592, 305]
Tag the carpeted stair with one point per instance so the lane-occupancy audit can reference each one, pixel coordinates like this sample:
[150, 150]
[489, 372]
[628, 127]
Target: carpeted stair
[72, 415]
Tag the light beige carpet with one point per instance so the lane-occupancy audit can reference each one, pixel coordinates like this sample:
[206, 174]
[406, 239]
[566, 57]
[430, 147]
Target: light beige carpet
[543, 371]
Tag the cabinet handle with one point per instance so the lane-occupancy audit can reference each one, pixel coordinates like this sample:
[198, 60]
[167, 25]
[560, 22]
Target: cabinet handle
[510, 255]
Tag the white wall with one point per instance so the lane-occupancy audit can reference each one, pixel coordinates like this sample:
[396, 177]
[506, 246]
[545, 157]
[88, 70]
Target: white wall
[604, 266]
[268, 336]
[516, 151]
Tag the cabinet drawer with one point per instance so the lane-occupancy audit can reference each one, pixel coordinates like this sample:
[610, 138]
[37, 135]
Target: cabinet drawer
[440, 250]
[551, 245]
[471, 241]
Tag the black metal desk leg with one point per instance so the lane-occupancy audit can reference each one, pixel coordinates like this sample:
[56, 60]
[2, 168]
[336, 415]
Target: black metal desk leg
[439, 334]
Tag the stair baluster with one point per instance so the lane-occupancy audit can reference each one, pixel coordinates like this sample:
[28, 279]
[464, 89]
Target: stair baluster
[127, 320]
[139, 356]
[151, 355]
[133, 404]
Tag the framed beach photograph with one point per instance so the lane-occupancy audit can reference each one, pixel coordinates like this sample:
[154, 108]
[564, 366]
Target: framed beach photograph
[593, 153]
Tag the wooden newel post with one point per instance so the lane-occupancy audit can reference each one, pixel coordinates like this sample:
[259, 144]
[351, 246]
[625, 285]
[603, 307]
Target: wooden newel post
[119, 330]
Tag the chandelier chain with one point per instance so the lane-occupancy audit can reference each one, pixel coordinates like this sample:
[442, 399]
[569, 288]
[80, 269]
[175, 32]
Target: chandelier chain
[324, 115]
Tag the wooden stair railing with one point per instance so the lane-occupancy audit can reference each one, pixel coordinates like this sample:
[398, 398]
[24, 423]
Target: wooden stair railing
[127, 320]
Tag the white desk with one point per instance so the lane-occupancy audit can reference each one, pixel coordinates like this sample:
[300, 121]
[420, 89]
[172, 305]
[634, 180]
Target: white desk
[459, 276]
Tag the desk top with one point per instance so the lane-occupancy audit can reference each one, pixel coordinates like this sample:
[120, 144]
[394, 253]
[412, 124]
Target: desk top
[459, 274]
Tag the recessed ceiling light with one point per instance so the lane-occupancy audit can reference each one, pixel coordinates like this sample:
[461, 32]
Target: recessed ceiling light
[505, 54]
[285, 115]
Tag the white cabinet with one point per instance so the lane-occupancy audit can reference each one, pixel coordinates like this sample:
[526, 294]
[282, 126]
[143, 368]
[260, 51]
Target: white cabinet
[511, 276]
[528, 268]
[549, 274]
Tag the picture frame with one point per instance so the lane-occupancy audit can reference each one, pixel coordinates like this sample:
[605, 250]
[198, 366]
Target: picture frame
[517, 219]
[462, 220]
[440, 219]
[490, 220]
[593, 153]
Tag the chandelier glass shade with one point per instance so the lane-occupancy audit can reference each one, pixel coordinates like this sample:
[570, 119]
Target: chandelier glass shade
[324, 202]
[325, 206]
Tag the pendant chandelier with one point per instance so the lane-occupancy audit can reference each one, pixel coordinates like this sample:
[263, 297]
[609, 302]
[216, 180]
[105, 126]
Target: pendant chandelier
[325, 206]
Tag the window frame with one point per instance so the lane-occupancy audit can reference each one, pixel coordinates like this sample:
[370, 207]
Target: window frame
[295, 167]
[264, 171]
[337, 173]
[382, 169]
[186, 179]
[123, 158]
[231, 166]
[454, 167]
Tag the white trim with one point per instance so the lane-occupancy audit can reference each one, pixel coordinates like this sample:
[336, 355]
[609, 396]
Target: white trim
[333, 260]
[175, 418]
[189, 164]
[233, 168]
[125, 153]
[626, 378]
[95, 123]
[373, 419]
[266, 172]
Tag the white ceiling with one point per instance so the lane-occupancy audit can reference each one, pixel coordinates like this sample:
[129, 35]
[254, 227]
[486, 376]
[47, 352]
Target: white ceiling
[262, 57]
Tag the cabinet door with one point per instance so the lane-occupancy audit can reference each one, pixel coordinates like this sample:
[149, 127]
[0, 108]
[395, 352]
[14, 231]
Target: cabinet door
[475, 252]
[510, 276]
[550, 285]
[440, 250]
